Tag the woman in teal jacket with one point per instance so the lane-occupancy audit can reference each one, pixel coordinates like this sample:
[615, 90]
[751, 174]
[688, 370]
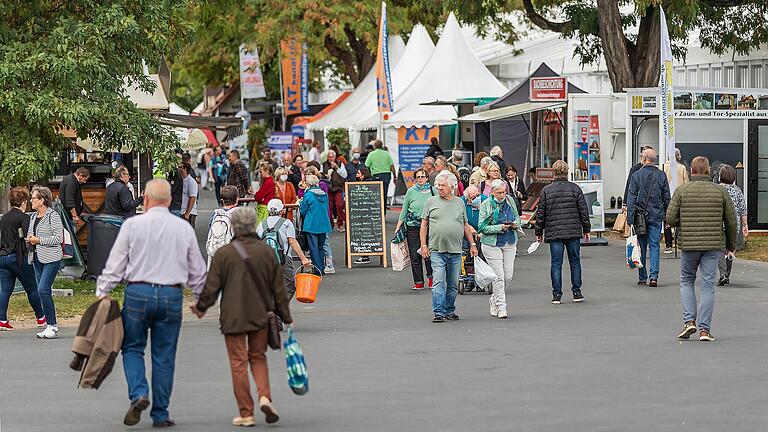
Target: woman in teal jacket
[498, 222]
[315, 220]
[413, 204]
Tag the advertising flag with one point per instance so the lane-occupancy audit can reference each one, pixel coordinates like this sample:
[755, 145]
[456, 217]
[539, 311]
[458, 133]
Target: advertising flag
[251, 80]
[383, 77]
[667, 111]
[294, 67]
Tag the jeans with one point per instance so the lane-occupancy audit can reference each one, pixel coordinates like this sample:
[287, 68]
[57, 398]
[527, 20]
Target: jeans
[556, 248]
[217, 184]
[650, 242]
[328, 251]
[445, 267]
[45, 275]
[414, 243]
[706, 262]
[9, 272]
[336, 201]
[316, 250]
[502, 261]
[155, 309]
[384, 178]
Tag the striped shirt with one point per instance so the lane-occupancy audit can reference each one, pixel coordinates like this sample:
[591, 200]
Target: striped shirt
[50, 231]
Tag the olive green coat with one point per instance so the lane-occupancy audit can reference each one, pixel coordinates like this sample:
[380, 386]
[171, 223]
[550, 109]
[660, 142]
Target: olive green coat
[704, 216]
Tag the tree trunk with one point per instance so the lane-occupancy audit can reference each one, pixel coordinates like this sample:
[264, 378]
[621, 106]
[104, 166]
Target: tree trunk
[645, 56]
[615, 46]
[4, 204]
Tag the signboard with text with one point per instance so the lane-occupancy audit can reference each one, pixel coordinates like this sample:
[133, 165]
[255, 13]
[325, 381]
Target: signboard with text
[412, 145]
[548, 89]
[705, 103]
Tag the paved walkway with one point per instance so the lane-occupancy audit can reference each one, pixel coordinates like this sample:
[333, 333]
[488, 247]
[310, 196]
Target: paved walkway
[377, 363]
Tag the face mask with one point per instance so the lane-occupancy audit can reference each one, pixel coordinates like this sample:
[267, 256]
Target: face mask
[355, 155]
[283, 177]
[476, 202]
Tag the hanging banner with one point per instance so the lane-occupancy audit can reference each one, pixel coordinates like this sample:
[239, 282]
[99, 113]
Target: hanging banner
[295, 76]
[251, 80]
[383, 77]
[594, 148]
[667, 113]
[548, 89]
[412, 145]
[581, 142]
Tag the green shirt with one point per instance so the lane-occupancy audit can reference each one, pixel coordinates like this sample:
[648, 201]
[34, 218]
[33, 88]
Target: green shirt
[414, 203]
[379, 162]
[446, 224]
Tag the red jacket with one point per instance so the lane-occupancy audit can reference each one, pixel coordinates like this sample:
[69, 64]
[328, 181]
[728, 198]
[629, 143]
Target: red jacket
[266, 192]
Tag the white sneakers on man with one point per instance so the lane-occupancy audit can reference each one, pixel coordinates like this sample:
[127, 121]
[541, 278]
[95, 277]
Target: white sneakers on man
[50, 332]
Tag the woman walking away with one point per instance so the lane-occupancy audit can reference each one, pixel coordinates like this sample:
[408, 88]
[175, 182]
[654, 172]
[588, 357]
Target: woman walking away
[256, 284]
[13, 265]
[498, 221]
[285, 191]
[317, 223]
[44, 237]
[728, 180]
[413, 206]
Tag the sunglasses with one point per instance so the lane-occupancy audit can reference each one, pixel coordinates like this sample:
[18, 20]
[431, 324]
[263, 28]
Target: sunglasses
[421, 176]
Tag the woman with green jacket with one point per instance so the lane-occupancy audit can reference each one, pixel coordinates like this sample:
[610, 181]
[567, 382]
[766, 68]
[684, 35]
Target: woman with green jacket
[498, 224]
[413, 204]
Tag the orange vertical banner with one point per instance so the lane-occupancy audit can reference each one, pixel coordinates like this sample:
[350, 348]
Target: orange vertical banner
[294, 66]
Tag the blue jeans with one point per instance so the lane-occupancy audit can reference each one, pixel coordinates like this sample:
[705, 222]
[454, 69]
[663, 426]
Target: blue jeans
[316, 250]
[45, 274]
[650, 242]
[327, 249]
[157, 309]
[556, 249]
[690, 262]
[384, 178]
[9, 272]
[445, 273]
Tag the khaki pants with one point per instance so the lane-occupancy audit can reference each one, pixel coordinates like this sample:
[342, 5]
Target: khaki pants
[244, 349]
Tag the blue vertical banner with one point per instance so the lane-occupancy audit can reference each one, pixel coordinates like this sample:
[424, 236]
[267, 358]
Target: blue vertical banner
[304, 79]
[383, 76]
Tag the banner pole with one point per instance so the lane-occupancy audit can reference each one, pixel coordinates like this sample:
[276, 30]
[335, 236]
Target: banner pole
[282, 96]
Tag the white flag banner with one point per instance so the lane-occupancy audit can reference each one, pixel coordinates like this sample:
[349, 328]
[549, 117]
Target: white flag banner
[667, 112]
[251, 80]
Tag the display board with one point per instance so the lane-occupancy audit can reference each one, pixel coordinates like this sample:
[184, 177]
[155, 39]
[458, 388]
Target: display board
[593, 194]
[366, 232]
[412, 146]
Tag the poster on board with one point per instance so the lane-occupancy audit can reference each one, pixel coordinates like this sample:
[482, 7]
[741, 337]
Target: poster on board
[593, 194]
[412, 145]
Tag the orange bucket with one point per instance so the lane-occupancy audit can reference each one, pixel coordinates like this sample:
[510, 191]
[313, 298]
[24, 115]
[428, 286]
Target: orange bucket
[306, 286]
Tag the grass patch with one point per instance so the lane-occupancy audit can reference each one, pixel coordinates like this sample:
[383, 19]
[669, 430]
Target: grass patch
[84, 294]
[756, 250]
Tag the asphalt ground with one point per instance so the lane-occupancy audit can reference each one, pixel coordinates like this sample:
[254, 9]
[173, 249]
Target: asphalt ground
[378, 363]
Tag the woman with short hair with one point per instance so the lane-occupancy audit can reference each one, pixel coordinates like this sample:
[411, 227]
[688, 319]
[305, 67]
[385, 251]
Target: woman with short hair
[266, 191]
[45, 236]
[728, 180]
[13, 266]
[498, 224]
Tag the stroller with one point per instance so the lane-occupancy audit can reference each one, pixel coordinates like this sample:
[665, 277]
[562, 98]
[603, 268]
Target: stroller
[467, 275]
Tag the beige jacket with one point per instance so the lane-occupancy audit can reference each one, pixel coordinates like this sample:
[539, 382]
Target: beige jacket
[97, 342]
[682, 173]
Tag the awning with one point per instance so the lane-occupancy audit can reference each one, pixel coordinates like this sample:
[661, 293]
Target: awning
[511, 111]
[304, 120]
[200, 122]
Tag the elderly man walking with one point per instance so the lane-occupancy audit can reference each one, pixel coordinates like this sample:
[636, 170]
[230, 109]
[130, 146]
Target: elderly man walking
[562, 218]
[700, 209]
[647, 203]
[157, 255]
[246, 272]
[481, 174]
[443, 226]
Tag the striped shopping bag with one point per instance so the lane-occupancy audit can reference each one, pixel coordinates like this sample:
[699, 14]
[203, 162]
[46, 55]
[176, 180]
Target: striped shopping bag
[298, 378]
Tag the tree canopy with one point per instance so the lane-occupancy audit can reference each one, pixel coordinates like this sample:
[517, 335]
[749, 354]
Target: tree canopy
[64, 64]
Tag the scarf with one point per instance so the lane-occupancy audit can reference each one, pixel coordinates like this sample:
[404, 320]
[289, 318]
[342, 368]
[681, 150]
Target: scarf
[422, 188]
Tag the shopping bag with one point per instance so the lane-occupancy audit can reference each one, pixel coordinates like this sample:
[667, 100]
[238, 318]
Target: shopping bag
[621, 222]
[298, 378]
[633, 253]
[400, 234]
[484, 274]
[261, 213]
[399, 255]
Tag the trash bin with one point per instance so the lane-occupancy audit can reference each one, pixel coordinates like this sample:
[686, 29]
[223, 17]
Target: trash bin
[102, 233]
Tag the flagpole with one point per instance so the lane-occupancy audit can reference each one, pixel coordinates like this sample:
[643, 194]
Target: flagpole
[282, 95]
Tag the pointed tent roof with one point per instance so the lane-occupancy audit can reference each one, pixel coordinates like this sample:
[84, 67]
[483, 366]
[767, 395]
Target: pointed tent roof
[453, 72]
[522, 92]
[418, 50]
[339, 115]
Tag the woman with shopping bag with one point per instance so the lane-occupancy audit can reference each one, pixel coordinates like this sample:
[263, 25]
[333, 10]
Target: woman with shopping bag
[498, 224]
[410, 216]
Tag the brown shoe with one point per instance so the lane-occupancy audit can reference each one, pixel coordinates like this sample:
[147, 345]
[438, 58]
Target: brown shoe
[653, 283]
[706, 336]
[689, 328]
[133, 416]
[268, 410]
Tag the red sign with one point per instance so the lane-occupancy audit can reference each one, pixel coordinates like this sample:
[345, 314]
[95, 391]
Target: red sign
[547, 89]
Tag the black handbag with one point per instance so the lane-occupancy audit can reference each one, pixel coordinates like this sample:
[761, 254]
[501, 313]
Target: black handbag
[273, 325]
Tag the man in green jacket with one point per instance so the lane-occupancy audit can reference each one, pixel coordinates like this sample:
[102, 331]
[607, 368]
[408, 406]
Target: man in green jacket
[699, 209]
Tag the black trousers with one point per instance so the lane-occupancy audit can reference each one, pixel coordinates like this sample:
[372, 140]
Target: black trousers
[414, 244]
[668, 236]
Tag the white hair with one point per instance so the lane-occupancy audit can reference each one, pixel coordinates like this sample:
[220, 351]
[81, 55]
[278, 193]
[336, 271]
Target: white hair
[498, 184]
[331, 152]
[158, 190]
[448, 177]
[471, 190]
[243, 221]
[496, 151]
[485, 161]
[312, 180]
[457, 154]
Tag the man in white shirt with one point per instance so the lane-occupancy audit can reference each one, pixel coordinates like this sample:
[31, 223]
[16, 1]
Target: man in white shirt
[189, 194]
[314, 152]
[157, 255]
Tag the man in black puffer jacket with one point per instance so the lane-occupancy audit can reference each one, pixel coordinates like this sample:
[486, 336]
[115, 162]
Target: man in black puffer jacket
[562, 218]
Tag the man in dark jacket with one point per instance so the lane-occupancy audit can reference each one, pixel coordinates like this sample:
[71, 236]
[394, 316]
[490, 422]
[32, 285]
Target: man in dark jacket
[632, 171]
[238, 174]
[648, 199]
[247, 290]
[354, 165]
[498, 156]
[71, 195]
[119, 201]
[562, 218]
[294, 172]
[699, 209]
[337, 174]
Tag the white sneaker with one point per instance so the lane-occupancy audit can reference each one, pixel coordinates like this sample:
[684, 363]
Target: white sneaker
[50, 332]
[494, 310]
[502, 314]
[329, 270]
[362, 260]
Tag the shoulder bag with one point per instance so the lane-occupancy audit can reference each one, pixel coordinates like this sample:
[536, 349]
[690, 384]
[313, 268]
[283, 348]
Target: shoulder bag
[273, 326]
[641, 226]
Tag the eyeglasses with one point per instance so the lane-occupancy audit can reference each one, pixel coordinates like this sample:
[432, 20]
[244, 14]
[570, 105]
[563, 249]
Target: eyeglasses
[421, 176]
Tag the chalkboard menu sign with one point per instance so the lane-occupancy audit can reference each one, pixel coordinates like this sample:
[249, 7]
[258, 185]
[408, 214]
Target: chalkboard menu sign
[366, 233]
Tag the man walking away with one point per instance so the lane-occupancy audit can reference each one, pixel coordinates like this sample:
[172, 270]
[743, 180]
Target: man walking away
[443, 225]
[498, 156]
[648, 200]
[632, 171]
[118, 200]
[382, 168]
[562, 218]
[189, 194]
[220, 226]
[238, 174]
[157, 255]
[699, 210]
[71, 194]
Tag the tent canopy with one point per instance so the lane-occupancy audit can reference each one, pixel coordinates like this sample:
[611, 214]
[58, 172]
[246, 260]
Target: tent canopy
[511, 111]
[522, 92]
